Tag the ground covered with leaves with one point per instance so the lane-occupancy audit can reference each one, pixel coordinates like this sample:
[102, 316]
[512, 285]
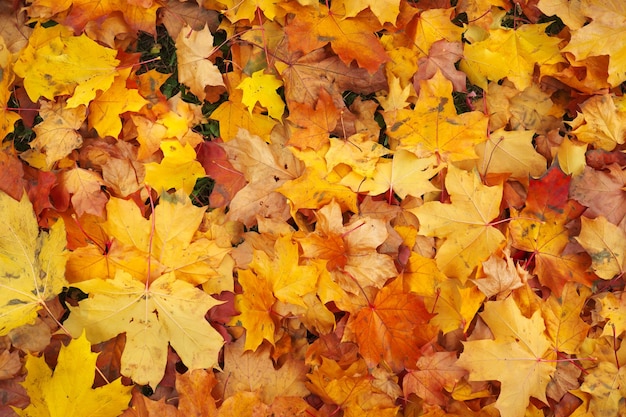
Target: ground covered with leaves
[302, 208]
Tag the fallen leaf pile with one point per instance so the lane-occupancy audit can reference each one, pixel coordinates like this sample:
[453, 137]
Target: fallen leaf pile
[302, 208]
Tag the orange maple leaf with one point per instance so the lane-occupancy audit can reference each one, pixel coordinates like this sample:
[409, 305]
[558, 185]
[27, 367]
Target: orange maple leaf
[390, 329]
[352, 38]
[312, 126]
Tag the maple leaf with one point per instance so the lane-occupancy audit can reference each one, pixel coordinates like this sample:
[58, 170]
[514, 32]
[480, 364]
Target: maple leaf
[602, 192]
[433, 25]
[564, 325]
[603, 36]
[433, 375]
[405, 174]
[349, 250]
[607, 385]
[127, 244]
[178, 169]
[194, 69]
[433, 127]
[569, 12]
[246, 371]
[312, 126]
[33, 263]
[255, 307]
[612, 310]
[520, 356]
[234, 116]
[312, 191]
[351, 389]
[352, 38]
[421, 275]
[357, 152]
[510, 152]
[262, 88]
[166, 310]
[194, 388]
[56, 62]
[139, 15]
[385, 11]
[454, 306]
[442, 57]
[67, 391]
[289, 280]
[85, 188]
[601, 123]
[502, 277]
[266, 167]
[236, 10]
[606, 244]
[465, 223]
[122, 173]
[57, 134]
[305, 76]
[105, 109]
[490, 59]
[388, 329]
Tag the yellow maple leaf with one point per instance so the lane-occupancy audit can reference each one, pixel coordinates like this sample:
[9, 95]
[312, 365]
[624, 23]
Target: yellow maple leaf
[433, 25]
[33, 263]
[237, 10]
[179, 168]
[106, 108]
[422, 276]
[357, 152]
[465, 224]
[510, 152]
[66, 391]
[613, 311]
[606, 244]
[289, 280]
[520, 356]
[564, 326]
[455, 305]
[434, 128]
[194, 69]
[234, 116]
[312, 191]
[405, 174]
[385, 10]
[56, 63]
[262, 88]
[151, 315]
[176, 246]
[510, 53]
[146, 253]
[255, 309]
[606, 384]
[601, 122]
